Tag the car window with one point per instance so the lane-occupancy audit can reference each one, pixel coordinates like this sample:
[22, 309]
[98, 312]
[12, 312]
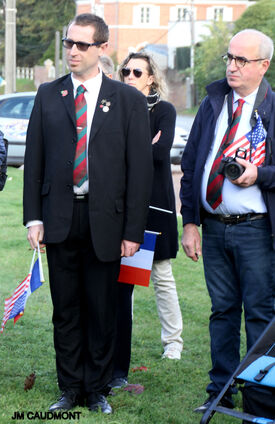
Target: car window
[16, 107]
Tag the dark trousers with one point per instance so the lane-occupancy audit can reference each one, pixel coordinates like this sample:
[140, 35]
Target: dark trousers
[239, 272]
[83, 293]
[122, 355]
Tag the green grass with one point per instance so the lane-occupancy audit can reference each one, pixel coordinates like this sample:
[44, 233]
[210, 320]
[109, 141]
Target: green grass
[172, 388]
[22, 85]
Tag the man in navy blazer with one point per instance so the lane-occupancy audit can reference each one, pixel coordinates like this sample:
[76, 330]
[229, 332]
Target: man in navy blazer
[86, 227]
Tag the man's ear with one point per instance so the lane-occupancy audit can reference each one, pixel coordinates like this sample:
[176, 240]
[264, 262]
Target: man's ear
[102, 48]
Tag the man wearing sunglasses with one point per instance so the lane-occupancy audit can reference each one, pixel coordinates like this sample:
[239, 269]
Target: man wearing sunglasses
[87, 185]
[237, 215]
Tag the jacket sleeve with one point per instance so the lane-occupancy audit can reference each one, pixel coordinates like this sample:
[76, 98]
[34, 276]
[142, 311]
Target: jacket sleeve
[33, 164]
[266, 174]
[2, 149]
[166, 124]
[188, 164]
[139, 171]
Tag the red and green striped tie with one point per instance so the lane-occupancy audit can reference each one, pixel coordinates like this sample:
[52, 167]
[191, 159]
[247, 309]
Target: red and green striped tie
[80, 160]
[215, 181]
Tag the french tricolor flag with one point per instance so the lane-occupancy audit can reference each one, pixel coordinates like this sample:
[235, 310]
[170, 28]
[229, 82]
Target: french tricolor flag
[137, 269]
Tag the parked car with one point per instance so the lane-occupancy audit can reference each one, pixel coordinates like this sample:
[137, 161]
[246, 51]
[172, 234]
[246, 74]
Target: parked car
[179, 143]
[15, 110]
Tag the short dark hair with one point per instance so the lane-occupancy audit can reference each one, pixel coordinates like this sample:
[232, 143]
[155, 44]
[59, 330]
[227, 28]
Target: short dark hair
[101, 34]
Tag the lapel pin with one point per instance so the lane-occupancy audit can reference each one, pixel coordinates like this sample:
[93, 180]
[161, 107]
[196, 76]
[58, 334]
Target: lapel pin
[64, 93]
[105, 105]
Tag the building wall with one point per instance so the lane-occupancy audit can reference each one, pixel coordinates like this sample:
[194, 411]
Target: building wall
[126, 31]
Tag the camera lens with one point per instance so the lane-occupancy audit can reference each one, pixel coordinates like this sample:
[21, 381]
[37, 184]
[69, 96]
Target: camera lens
[233, 170]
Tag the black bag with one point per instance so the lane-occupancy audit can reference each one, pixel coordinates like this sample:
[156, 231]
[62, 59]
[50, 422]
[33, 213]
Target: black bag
[3, 166]
[259, 401]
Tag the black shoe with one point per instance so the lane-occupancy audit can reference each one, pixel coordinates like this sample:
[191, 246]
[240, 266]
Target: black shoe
[68, 400]
[226, 401]
[98, 402]
[118, 383]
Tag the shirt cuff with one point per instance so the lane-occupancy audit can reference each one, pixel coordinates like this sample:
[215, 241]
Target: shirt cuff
[34, 222]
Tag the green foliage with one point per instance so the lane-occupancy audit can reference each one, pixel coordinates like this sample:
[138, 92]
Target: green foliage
[36, 24]
[172, 388]
[208, 62]
[260, 16]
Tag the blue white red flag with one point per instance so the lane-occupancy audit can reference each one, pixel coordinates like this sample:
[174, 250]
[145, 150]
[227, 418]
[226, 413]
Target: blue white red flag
[137, 269]
[15, 305]
[254, 139]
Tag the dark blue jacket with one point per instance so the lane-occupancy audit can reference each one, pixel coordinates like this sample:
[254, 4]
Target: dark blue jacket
[2, 149]
[199, 143]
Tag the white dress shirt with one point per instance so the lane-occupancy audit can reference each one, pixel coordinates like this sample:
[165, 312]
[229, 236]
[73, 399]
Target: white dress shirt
[235, 200]
[91, 95]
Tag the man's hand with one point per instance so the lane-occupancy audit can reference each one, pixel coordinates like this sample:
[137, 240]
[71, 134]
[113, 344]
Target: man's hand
[249, 176]
[35, 234]
[128, 248]
[191, 241]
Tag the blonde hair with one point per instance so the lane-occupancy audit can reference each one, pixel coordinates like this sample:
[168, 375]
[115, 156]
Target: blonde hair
[159, 84]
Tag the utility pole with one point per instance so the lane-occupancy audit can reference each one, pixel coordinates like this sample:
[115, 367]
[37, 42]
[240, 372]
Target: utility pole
[57, 54]
[192, 52]
[10, 46]
[63, 52]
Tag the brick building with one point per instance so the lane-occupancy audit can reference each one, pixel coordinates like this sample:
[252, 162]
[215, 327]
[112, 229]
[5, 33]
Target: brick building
[166, 23]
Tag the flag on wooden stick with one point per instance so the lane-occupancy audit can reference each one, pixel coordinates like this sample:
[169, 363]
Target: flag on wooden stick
[15, 304]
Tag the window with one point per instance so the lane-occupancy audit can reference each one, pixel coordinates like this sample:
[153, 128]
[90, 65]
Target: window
[182, 14]
[218, 14]
[146, 15]
[17, 107]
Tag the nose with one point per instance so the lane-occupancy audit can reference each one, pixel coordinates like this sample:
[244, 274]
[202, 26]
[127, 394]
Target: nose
[232, 65]
[74, 49]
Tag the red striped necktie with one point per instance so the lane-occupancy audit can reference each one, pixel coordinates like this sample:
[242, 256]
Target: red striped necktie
[80, 159]
[215, 181]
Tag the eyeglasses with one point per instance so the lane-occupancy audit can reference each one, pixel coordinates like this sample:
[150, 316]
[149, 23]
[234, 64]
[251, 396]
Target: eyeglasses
[126, 72]
[239, 60]
[83, 47]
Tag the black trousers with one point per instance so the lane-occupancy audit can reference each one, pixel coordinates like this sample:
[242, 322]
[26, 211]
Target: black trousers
[122, 355]
[83, 291]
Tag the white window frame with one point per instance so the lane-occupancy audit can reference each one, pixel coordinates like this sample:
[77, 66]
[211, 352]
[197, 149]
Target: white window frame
[146, 15]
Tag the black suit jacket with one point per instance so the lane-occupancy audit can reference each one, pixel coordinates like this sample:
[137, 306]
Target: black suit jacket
[120, 165]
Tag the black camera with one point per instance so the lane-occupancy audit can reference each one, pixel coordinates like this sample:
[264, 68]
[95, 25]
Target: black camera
[230, 168]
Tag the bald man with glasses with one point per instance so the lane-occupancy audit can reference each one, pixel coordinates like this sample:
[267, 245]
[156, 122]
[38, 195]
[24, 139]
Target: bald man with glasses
[228, 187]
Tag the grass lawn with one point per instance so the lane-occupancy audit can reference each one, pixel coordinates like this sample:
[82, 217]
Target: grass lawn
[172, 388]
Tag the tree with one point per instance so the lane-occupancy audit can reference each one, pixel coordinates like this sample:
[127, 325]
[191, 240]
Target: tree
[36, 24]
[209, 65]
[260, 16]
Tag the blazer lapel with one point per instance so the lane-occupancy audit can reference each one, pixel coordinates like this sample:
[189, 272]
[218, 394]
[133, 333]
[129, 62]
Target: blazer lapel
[67, 94]
[105, 103]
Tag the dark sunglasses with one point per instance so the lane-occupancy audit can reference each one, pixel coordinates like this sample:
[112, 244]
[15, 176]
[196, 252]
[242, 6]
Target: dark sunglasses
[83, 47]
[126, 72]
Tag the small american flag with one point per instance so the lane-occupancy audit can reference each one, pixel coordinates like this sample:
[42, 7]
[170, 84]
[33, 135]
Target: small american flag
[254, 139]
[15, 304]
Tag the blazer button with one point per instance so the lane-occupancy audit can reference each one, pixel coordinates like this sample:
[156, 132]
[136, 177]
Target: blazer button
[69, 162]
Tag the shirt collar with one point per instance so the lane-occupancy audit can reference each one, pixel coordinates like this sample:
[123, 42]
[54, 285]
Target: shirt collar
[89, 84]
[250, 99]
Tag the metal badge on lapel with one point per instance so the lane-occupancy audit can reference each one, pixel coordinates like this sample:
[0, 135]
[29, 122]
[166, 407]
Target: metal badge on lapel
[105, 105]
